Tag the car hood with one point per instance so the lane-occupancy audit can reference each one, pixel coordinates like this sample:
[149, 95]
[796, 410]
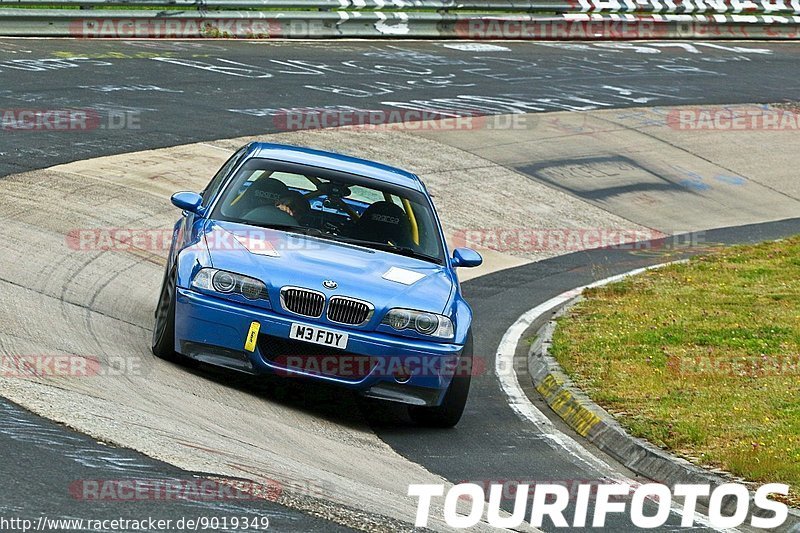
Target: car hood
[283, 259]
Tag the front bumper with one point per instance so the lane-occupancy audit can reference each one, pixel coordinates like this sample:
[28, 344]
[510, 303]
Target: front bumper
[378, 365]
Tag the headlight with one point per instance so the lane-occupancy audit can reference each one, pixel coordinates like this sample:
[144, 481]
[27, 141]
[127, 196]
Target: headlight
[399, 319]
[211, 279]
[423, 323]
[223, 282]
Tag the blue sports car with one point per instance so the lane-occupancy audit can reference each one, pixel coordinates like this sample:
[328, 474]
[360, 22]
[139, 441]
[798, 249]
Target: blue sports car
[312, 264]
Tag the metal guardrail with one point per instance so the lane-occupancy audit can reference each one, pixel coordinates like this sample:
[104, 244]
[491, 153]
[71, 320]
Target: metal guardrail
[321, 5]
[446, 6]
[451, 19]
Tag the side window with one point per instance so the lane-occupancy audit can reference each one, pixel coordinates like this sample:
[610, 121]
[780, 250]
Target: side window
[216, 182]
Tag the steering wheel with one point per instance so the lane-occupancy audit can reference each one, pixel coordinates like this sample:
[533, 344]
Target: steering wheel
[340, 204]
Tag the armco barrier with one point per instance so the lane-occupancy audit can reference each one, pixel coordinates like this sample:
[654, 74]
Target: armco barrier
[492, 19]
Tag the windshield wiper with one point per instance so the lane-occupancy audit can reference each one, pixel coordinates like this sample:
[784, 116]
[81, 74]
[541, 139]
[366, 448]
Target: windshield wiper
[400, 250]
[291, 228]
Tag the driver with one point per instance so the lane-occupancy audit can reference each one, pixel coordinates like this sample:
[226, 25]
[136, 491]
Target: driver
[293, 203]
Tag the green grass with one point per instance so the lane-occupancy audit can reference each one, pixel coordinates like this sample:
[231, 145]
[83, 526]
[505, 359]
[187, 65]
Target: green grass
[700, 358]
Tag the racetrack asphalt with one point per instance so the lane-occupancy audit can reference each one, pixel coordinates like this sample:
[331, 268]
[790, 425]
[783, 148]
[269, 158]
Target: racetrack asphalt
[52, 472]
[150, 94]
[183, 92]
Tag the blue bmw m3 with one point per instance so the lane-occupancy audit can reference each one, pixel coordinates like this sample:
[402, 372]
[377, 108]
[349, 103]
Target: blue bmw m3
[311, 264]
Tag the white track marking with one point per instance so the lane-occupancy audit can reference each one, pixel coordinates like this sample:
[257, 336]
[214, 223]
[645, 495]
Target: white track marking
[216, 147]
[519, 402]
[477, 47]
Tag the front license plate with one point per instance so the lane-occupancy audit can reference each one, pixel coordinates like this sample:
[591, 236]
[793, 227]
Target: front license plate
[325, 337]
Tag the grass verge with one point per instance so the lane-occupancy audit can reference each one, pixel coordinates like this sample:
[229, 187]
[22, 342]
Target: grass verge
[701, 358]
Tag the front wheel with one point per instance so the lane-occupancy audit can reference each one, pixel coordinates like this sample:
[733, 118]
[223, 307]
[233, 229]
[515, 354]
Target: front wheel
[449, 412]
[163, 345]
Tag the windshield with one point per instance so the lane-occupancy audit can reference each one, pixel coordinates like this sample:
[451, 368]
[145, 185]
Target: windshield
[332, 205]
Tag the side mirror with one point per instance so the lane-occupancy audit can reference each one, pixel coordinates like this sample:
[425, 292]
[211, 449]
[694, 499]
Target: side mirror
[466, 257]
[188, 201]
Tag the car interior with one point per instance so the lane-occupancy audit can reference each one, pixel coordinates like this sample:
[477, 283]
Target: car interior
[270, 198]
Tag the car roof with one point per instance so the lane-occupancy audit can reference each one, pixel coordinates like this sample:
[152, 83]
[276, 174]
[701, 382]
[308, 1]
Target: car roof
[334, 161]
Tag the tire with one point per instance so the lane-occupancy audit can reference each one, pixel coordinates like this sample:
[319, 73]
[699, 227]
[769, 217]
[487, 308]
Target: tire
[449, 412]
[163, 345]
[163, 282]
